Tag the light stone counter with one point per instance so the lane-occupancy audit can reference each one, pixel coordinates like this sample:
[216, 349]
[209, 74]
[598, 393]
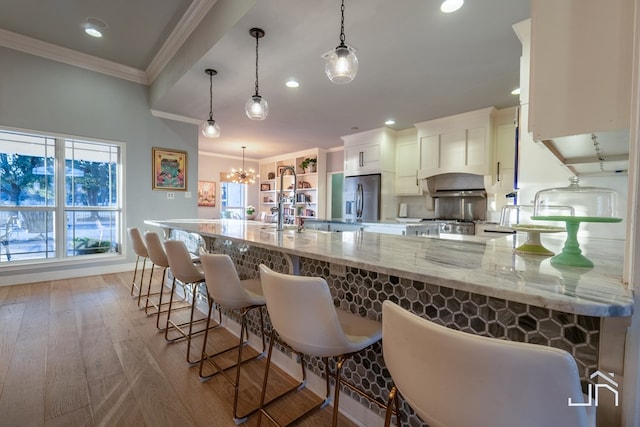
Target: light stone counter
[490, 269]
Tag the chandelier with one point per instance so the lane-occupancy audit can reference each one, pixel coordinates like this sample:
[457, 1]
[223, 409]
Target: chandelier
[242, 175]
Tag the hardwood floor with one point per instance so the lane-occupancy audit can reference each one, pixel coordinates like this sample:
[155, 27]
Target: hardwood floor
[79, 352]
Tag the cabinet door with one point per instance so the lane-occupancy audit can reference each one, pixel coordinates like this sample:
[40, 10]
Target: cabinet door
[430, 152]
[476, 149]
[453, 150]
[371, 161]
[407, 168]
[363, 158]
[351, 159]
[581, 67]
[504, 167]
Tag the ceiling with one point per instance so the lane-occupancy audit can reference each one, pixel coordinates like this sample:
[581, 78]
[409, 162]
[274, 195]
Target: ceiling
[416, 63]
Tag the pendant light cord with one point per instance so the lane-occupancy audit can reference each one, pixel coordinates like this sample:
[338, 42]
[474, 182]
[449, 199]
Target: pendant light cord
[257, 41]
[342, 38]
[210, 96]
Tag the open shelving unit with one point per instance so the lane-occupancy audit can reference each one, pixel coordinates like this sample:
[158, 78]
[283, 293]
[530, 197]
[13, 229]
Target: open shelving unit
[311, 191]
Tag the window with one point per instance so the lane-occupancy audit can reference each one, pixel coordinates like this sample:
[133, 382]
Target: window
[233, 200]
[59, 197]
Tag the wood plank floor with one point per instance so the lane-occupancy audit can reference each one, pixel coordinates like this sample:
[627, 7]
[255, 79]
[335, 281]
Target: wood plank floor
[80, 352]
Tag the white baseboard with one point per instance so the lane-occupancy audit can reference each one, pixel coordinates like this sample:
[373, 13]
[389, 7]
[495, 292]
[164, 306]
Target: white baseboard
[26, 274]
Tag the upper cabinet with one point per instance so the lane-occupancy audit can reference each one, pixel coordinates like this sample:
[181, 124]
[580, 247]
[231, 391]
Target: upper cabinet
[407, 163]
[369, 152]
[503, 166]
[456, 144]
[580, 67]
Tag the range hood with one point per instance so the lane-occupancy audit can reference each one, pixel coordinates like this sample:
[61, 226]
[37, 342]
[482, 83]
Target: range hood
[452, 182]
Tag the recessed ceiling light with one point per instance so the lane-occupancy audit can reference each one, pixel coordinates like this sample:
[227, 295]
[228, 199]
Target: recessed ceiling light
[449, 6]
[292, 83]
[93, 26]
[390, 122]
[93, 32]
[516, 91]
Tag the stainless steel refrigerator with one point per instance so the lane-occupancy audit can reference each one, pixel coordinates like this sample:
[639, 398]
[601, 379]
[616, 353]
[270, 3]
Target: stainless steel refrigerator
[361, 198]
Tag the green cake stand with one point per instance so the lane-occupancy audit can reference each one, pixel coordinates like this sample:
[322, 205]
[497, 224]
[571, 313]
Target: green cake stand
[571, 254]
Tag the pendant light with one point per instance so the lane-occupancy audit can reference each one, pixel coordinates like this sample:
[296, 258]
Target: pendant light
[210, 128]
[256, 107]
[242, 176]
[341, 65]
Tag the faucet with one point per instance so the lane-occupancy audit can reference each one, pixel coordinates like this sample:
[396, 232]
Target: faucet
[282, 199]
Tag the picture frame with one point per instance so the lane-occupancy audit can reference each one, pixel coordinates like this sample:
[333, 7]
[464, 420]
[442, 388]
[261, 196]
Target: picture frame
[280, 169]
[265, 187]
[169, 169]
[206, 193]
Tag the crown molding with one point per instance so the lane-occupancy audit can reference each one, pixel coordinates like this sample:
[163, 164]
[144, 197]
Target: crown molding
[189, 22]
[54, 52]
[176, 117]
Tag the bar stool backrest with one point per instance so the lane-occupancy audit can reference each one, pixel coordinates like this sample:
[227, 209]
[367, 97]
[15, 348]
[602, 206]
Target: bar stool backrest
[138, 244]
[157, 255]
[223, 283]
[302, 312]
[180, 262]
[453, 378]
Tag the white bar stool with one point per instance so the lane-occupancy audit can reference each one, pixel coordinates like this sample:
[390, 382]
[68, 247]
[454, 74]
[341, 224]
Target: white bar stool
[158, 257]
[303, 315]
[140, 250]
[228, 291]
[184, 270]
[457, 379]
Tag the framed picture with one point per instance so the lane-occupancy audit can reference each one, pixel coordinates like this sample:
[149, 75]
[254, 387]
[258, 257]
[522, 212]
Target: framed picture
[265, 187]
[169, 169]
[206, 193]
[280, 169]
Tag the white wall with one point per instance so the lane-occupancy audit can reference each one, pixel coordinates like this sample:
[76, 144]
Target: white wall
[47, 96]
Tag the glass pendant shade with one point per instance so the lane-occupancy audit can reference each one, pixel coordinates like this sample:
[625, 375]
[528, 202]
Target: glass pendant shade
[341, 65]
[257, 108]
[210, 129]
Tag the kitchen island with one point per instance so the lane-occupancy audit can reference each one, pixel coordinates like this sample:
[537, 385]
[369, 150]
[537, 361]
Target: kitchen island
[480, 288]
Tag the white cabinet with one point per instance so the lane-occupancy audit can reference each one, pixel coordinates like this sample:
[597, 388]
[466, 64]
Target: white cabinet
[364, 158]
[311, 186]
[369, 152]
[456, 144]
[580, 70]
[407, 163]
[503, 165]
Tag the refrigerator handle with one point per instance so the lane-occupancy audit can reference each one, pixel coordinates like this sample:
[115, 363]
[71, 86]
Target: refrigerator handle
[359, 201]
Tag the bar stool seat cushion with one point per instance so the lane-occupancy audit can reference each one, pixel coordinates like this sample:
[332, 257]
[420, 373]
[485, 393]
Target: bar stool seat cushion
[302, 306]
[454, 378]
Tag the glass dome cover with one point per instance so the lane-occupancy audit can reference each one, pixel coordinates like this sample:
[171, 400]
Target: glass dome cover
[589, 204]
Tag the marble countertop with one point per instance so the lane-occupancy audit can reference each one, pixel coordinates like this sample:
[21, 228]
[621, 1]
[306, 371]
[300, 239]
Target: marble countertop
[489, 268]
